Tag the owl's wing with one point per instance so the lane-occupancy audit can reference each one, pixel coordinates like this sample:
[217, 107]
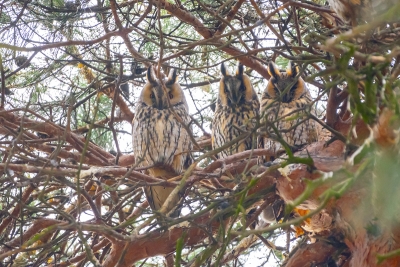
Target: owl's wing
[139, 137]
[254, 115]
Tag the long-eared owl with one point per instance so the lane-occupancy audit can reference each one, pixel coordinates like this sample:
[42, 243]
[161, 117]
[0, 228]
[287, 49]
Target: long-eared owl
[283, 106]
[236, 111]
[160, 141]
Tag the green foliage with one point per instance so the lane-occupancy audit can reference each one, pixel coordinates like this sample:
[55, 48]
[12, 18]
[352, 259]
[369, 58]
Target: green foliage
[282, 62]
[4, 18]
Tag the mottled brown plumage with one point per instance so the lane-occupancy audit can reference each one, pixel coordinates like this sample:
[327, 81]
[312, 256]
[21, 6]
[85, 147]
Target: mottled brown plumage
[159, 139]
[236, 112]
[283, 105]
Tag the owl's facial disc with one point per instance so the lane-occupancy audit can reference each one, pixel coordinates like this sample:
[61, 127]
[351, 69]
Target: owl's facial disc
[285, 85]
[288, 97]
[161, 97]
[281, 87]
[233, 89]
[156, 97]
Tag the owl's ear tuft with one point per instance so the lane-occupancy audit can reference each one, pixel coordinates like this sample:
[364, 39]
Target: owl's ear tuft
[223, 70]
[172, 77]
[151, 76]
[240, 70]
[292, 69]
[273, 70]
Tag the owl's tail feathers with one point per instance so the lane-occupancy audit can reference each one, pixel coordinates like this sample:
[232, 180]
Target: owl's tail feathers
[262, 142]
[157, 195]
[323, 134]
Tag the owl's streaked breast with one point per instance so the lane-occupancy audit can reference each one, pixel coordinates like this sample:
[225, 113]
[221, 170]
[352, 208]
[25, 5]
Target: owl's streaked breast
[231, 123]
[160, 139]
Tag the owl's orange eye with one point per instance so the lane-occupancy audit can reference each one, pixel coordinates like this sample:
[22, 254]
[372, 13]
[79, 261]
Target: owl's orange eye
[152, 96]
[170, 95]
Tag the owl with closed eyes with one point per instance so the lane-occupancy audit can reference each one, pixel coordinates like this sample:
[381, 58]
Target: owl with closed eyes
[237, 110]
[284, 106]
[160, 140]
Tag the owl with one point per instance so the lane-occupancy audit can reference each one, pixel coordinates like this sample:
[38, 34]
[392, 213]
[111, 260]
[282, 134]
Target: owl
[236, 112]
[160, 141]
[283, 106]
[354, 11]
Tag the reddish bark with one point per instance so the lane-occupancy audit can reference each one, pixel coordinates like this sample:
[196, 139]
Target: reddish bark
[94, 154]
[344, 219]
[14, 214]
[315, 254]
[353, 216]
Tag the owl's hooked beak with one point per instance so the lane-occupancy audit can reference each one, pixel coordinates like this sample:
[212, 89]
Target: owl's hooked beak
[235, 97]
[160, 98]
[286, 97]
